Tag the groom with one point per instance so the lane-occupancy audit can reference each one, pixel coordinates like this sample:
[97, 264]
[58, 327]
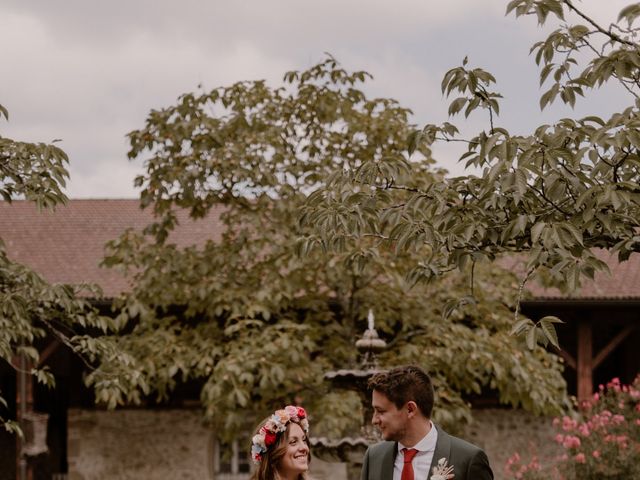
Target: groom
[415, 448]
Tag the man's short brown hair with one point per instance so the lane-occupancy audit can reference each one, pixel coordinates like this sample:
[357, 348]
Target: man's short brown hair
[404, 384]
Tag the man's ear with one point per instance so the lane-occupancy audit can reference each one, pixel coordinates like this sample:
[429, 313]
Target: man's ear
[412, 408]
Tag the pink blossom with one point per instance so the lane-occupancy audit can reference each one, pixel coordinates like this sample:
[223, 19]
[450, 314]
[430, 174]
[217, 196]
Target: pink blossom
[568, 424]
[580, 458]
[596, 454]
[584, 430]
[515, 458]
[571, 441]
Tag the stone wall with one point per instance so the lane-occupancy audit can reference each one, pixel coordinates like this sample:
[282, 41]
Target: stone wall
[138, 444]
[144, 444]
[176, 445]
[503, 432]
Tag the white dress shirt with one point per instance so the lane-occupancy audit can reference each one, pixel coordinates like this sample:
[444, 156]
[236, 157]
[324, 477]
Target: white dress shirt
[422, 461]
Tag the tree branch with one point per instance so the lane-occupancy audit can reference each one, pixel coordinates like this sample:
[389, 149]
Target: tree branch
[608, 33]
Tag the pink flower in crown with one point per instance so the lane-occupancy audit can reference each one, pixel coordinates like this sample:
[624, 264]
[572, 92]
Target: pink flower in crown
[280, 419]
[269, 425]
[282, 415]
[291, 411]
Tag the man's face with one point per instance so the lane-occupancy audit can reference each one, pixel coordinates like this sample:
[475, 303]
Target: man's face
[391, 421]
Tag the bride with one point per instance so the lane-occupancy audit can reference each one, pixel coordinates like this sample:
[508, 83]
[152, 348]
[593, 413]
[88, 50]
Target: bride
[280, 447]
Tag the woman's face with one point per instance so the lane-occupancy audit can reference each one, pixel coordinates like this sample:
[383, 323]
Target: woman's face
[296, 458]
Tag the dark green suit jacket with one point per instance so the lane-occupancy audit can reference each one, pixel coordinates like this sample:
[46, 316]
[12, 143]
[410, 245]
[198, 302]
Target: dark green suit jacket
[469, 462]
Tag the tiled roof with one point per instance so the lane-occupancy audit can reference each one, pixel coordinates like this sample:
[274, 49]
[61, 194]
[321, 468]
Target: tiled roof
[622, 283]
[67, 245]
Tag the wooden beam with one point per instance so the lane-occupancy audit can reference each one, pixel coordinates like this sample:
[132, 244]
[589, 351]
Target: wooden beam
[611, 346]
[585, 361]
[568, 359]
[48, 351]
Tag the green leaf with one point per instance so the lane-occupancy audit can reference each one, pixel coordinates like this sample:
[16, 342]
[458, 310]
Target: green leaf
[551, 319]
[457, 105]
[414, 140]
[521, 326]
[549, 331]
[531, 338]
[536, 231]
[629, 13]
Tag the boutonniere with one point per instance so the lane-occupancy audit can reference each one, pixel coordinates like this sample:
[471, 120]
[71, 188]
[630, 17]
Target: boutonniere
[442, 471]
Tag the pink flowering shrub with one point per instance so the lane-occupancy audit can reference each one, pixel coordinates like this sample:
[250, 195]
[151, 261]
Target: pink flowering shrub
[517, 468]
[601, 441]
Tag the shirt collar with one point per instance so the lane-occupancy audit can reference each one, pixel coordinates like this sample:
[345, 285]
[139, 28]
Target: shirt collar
[428, 442]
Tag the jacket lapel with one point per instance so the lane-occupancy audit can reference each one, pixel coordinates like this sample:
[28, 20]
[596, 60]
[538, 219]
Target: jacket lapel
[443, 449]
[388, 461]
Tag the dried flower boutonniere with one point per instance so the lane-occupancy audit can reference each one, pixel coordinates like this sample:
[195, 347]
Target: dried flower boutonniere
[442, 471]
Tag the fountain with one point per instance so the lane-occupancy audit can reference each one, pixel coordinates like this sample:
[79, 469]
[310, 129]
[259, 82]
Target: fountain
[350, 450]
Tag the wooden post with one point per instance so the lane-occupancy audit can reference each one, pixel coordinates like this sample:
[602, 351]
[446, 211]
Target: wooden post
[24, 404]
[585, 361]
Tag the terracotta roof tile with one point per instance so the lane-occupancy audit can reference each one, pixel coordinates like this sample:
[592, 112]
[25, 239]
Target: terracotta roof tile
[622, 283]
[67, 245]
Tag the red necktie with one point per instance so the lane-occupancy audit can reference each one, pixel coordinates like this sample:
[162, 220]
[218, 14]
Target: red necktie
[407, 468]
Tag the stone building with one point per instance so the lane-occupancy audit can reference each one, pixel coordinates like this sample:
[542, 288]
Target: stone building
[599, 338]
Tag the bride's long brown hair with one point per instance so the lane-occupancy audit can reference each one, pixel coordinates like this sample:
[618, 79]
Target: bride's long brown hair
[267, 468]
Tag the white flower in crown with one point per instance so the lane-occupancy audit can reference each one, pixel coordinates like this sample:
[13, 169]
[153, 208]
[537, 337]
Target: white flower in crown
[304, 423]
[259, 441]
[442, 471]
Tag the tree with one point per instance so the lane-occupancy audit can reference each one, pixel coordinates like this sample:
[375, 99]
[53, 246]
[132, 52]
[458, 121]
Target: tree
[30, 307]
[258, 317]
[556, 195]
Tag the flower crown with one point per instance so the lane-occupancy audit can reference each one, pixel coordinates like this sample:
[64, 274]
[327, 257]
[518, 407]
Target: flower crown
[277, 423]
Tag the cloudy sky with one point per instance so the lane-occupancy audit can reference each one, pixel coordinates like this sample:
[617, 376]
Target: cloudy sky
[89, 71]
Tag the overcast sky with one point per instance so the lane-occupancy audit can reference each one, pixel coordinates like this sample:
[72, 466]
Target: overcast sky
[89, 71]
